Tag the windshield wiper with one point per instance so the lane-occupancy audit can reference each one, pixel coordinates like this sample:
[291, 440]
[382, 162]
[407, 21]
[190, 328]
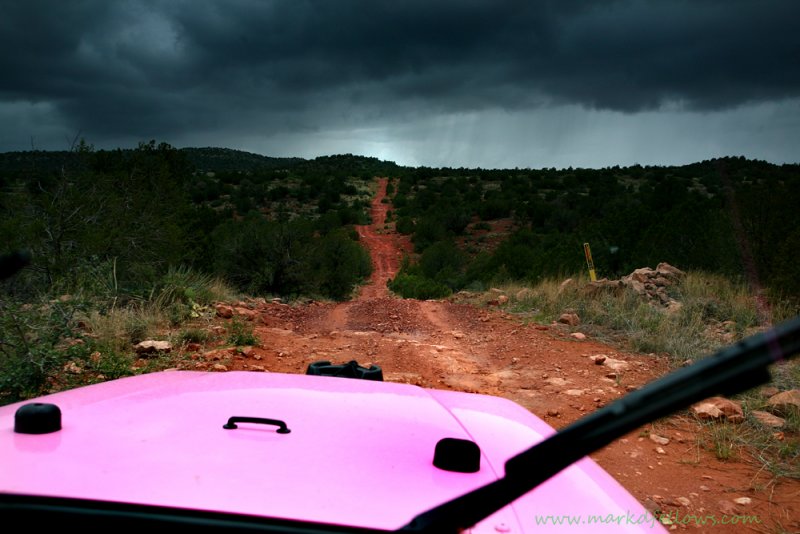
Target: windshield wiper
[729, 371]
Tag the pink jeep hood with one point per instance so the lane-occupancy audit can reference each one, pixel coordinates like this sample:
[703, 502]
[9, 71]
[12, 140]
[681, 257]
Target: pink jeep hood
[359, 452]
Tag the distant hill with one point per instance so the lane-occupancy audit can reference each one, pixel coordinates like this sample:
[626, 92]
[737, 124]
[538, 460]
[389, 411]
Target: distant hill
[208, 159]
[227, 159]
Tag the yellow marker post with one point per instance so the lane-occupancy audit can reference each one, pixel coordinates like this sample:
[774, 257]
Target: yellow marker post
[588, 252]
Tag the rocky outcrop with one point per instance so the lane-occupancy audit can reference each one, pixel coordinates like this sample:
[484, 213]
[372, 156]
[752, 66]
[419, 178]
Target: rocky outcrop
[653, 284]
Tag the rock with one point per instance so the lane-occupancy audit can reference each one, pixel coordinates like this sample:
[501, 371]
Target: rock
[598, 359]
[705, 488]
[767, 419]
[247, 313]
[668, 271]
[727, 507]
[570, 319]
[259, 368]
[673, 306]
[616, 365]
[502, 299]
[458, 335]
[223, 311]
[719, 408]
[247, 351]
[524, 294]
[783, 403]
[655, 438]
[684, 501]
[553, 413]
[578, 335]
[574, 392]
[603, 286]
[193, 347]
[744, 501]
[218, 367]
[659, 450]
[769, 391]
[556, 381]
[567, 284]
[151, 346]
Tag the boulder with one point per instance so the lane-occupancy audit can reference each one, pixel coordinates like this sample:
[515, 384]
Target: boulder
[151, 346]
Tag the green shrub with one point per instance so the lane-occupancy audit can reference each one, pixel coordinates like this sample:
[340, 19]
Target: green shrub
[241, 333]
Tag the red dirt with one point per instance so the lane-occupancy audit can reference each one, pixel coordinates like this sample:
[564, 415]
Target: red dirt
[447, 345]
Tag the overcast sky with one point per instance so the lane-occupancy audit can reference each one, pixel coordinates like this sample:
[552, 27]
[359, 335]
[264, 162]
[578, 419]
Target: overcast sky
[458, 82]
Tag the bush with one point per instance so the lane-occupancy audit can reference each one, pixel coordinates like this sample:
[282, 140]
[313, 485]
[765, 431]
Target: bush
[405, 225]
[418, 287]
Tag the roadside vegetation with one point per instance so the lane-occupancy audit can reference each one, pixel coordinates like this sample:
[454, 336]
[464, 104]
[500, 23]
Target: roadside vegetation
[131, 245]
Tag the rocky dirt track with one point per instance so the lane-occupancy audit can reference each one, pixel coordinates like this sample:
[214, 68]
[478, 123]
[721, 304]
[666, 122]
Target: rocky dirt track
[444, 344]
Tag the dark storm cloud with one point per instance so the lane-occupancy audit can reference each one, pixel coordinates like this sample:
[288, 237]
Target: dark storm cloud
[161, 69]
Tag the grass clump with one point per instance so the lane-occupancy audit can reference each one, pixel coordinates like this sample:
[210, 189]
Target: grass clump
[713, 312]
[241, 333]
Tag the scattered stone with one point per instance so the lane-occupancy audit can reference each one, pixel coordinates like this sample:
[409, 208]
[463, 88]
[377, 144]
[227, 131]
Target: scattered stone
[578, 335]
[458, 335]
[570, 319]
[717, 408]
[574, 392]
[598, 359]
[72, 368]
[705, 488]
[219, 367]
[502, 299]
[247, 351]
[767, 419]
[744, 501]
[151, 346]
[655, 438]
[553, 413]
[684, 501]
[223, 311]
[259, 368]
[660, 450]
[785, 402]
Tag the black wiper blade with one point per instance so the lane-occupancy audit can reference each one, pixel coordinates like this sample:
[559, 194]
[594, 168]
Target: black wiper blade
[729, 371]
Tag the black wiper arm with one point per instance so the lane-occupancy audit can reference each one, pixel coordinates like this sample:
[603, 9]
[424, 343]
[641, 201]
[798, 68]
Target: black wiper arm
[731, 370]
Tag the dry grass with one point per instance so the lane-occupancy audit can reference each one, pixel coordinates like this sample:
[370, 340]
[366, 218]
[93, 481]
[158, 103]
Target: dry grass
[715, 312]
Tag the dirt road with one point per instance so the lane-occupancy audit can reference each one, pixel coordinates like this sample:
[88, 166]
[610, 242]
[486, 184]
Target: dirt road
[444, 344]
